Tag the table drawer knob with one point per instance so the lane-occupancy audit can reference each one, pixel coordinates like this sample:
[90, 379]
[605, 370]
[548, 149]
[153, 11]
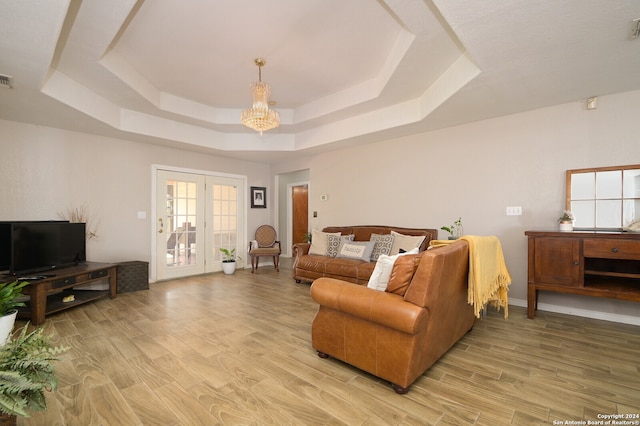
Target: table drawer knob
[614, 250]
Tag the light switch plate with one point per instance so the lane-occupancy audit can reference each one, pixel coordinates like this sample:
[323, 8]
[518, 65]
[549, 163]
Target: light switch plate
[514, 211]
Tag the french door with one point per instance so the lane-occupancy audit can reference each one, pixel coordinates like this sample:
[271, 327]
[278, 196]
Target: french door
[196, 215]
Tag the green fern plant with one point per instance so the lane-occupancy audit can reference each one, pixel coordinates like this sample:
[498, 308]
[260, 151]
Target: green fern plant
[9, 294]
[27, 371]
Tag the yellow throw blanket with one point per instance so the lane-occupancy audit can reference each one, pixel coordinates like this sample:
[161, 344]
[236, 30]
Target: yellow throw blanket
[489, 278]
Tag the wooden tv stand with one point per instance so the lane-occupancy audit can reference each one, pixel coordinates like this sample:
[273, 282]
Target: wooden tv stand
[599, 264]
[46, 294]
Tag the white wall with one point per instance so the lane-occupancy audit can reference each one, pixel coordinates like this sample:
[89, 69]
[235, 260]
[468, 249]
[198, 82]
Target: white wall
[475, 171]
[44, 171]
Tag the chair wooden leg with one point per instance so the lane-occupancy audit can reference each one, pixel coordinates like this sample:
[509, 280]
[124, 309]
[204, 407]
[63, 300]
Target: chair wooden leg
[276, 261]
[253, 263]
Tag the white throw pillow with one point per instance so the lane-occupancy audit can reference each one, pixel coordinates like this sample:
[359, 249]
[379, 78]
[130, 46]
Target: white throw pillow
[405, 242]
[320, 242]
[382, 271]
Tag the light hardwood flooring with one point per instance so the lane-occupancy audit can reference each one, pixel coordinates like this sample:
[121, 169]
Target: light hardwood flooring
[236, 349]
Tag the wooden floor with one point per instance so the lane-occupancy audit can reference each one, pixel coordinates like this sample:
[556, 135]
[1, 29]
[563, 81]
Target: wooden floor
[236, 349]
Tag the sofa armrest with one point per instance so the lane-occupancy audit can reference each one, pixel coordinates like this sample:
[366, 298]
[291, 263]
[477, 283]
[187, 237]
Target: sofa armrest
[379, 307]
[300, 249]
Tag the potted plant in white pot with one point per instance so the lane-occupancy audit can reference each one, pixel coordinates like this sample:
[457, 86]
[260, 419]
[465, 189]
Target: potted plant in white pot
[10, 293]
[229, 260]
[26, 372]
[566, 221]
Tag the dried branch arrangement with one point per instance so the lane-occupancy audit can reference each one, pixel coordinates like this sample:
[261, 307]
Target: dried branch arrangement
[81, 215]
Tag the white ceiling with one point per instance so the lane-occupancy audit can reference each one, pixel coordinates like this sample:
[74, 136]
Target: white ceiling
[341, 72]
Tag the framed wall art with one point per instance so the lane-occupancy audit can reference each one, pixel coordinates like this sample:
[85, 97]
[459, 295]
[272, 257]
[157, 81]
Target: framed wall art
[258, 197]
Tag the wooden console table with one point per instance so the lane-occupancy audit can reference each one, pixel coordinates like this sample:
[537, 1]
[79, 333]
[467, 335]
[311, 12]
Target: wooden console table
[46, 294]
[599, 264]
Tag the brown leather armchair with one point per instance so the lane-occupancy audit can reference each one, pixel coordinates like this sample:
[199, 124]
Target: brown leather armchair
[394, 337]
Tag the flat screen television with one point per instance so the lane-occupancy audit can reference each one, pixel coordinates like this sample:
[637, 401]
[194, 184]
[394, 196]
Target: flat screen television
[6, 241]
[5, 246]
[44, 246]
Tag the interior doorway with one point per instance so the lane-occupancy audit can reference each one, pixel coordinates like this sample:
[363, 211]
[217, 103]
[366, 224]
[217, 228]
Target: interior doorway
[285, 183]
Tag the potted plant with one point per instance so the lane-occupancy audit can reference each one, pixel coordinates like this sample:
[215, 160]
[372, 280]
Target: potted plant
[26, 372]
[9, 302]
[454, 230]
[566, 221]
[229, 260]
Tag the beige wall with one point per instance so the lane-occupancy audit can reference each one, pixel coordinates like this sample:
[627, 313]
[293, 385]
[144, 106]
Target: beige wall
[45, 171]
[475, 171]
[427, 180]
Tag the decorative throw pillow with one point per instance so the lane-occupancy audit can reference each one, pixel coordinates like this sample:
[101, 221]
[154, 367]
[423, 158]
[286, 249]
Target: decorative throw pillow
[406, 242]
[382, 245]
[360, 250]
[381, 272]
[320, 242]
[402, 273]
[335, 241]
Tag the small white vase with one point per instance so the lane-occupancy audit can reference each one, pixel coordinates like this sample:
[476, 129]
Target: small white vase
[6, 326]
[566, 226]
[228, 267]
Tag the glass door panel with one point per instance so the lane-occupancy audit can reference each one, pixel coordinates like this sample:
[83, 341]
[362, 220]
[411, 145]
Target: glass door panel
[180, 224]
[227, 209]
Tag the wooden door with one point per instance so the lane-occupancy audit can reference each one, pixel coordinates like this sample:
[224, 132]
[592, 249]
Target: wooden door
[300, 203]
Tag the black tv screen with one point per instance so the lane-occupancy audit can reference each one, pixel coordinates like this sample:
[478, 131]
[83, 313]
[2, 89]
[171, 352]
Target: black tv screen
[6, 241]
[42, 246]
[5, 246]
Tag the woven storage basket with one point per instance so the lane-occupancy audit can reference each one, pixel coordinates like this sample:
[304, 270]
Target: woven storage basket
[133, 276]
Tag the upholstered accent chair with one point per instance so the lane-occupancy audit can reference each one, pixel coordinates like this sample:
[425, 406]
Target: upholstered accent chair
[267, 245]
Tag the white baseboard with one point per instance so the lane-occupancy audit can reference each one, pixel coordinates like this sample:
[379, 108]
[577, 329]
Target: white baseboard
[586, 313]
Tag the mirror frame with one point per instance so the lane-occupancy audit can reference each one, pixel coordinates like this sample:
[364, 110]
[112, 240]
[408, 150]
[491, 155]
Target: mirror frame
[569, 175]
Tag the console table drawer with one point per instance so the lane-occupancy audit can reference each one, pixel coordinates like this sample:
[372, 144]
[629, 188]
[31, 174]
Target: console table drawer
[63, 282]
[611, 249]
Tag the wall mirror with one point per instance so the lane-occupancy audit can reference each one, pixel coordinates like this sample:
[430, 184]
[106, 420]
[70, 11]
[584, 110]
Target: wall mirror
[605, 198]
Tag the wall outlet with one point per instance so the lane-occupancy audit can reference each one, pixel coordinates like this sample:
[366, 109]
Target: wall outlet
[514, 211]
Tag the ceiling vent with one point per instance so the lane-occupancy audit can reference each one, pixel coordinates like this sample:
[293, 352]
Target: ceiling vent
[6, 81]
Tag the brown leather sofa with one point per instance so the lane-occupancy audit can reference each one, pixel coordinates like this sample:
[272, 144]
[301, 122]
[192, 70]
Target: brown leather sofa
[394, 337]
[308, 267]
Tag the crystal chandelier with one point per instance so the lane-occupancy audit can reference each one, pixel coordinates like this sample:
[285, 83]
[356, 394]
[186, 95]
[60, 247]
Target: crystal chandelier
[260, 117]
